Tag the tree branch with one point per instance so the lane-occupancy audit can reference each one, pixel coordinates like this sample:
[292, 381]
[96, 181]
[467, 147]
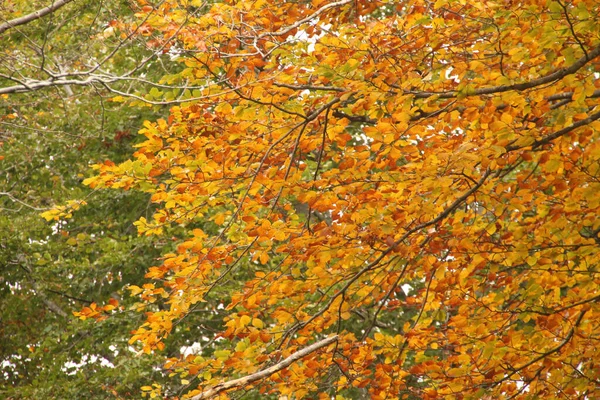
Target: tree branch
[287, 29]
[36, 85]
[237, 383]
[549, 138]
[52, 306]
[33, 16]
[547, 353]
[552, 77]
[309, 87]
[21, 202]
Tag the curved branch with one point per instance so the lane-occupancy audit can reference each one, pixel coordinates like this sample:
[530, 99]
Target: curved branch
[561, 132]
[36, 85]
[33, 16]
[551, 77]
[547, 353]
[287, 29]
[238, 383]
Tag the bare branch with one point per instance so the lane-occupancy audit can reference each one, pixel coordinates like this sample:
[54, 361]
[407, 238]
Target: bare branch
[33, 16]
[36, 85]
[241, 382]
[15, 200]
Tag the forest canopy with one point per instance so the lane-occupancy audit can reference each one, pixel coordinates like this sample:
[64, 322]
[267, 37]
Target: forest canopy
[344, 199]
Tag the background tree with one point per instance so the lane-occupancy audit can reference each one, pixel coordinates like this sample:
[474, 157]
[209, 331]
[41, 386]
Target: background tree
[57, 73]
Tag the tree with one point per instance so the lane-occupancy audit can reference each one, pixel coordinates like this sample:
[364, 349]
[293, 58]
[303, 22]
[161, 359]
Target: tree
[49, 135]
[375, 198]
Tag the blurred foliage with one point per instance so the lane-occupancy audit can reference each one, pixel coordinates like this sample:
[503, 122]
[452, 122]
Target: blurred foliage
[48, 270]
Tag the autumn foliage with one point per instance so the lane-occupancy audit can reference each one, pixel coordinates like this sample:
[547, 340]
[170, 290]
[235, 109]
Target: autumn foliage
[419, 179]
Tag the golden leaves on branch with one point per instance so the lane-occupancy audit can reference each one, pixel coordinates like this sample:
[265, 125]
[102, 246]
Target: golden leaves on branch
[419, 181]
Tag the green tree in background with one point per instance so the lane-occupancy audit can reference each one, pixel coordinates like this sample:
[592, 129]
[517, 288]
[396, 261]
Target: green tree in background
[57, 69]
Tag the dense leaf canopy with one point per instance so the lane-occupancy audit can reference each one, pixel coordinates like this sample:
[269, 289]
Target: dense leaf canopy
[373, 199]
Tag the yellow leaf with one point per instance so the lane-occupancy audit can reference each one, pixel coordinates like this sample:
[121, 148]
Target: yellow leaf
[257, 323]
[531, 261]
[245, 320]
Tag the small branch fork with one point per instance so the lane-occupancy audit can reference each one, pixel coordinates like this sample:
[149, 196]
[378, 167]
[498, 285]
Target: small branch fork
[265, 373]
